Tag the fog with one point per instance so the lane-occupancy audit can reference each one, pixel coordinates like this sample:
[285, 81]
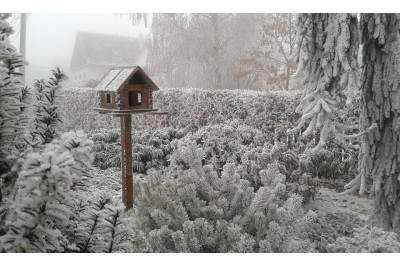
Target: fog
[192, 50]
[50, 37]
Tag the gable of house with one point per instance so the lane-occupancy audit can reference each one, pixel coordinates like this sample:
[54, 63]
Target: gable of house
[105, 50]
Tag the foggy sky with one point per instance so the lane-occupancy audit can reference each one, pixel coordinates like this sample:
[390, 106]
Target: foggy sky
[50, 37]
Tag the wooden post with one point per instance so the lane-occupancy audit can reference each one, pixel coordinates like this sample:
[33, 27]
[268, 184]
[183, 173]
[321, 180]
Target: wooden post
[126, 161]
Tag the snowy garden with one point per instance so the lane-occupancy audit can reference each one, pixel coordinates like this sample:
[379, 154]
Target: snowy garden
[308, 169]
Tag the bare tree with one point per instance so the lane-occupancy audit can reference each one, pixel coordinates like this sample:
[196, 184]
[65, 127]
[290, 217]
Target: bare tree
[271, 61]
[200, 50]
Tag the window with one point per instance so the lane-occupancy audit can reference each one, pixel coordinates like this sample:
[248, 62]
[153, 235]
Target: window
[135, 98]
[108, 98]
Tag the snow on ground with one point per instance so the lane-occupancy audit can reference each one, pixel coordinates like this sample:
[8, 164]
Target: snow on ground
[329, 201]
[106, 181]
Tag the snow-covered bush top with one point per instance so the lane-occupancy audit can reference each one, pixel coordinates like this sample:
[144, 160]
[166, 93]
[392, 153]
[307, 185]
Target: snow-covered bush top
[50, 208]
[188, 108]
[367, 239]
[192, 207]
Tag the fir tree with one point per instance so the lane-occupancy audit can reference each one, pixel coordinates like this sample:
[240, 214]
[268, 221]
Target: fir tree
[380, 91]
[327, 54]
[380, 81]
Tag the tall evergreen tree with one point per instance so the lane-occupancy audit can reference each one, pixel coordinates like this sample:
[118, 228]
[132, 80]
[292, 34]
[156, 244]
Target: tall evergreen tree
[327, 65]
[327, 56]
[380, 103]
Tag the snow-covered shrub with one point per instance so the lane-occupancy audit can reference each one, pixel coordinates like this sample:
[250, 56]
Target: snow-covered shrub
[47, 117]
[107, 149]
[38, 206]
[98, 226]
[47, 103]
[367, 239]
[190, 110]
[150, 148]
[48, 209]
[328, 227]
[225, 143]
[231, 142]
[13, 99]
[328, 164]
[191, 206]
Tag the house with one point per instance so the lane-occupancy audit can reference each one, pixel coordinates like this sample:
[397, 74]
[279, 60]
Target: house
[127, 89]
[94, 54]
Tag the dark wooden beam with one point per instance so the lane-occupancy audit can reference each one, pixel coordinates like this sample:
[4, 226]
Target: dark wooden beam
[123, 111]
[126, 161]
[159, 112]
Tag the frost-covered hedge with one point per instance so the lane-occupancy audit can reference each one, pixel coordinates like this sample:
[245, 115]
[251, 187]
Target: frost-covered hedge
[199, 107]
[188, 109]
[76, 106]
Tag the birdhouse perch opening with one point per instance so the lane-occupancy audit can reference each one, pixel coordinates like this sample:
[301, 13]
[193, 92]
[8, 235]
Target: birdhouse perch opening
[135, 98]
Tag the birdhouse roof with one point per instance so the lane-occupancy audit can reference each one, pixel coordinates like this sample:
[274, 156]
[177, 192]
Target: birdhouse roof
[117, 77]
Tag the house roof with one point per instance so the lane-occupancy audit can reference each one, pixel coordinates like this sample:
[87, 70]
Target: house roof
[102, 49]
[115, 78]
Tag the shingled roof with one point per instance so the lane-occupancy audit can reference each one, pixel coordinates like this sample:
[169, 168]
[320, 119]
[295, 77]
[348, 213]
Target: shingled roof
[105, 50]
[115, 78]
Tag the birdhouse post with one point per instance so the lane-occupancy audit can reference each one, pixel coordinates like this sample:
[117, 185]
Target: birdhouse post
[124, 91]
[126, 161]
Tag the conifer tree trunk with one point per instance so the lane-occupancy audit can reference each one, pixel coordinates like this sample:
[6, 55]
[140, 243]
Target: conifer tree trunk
[380, 90]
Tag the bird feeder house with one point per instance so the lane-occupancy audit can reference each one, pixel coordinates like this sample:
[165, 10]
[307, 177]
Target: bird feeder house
[122, 92]
[126, 90]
